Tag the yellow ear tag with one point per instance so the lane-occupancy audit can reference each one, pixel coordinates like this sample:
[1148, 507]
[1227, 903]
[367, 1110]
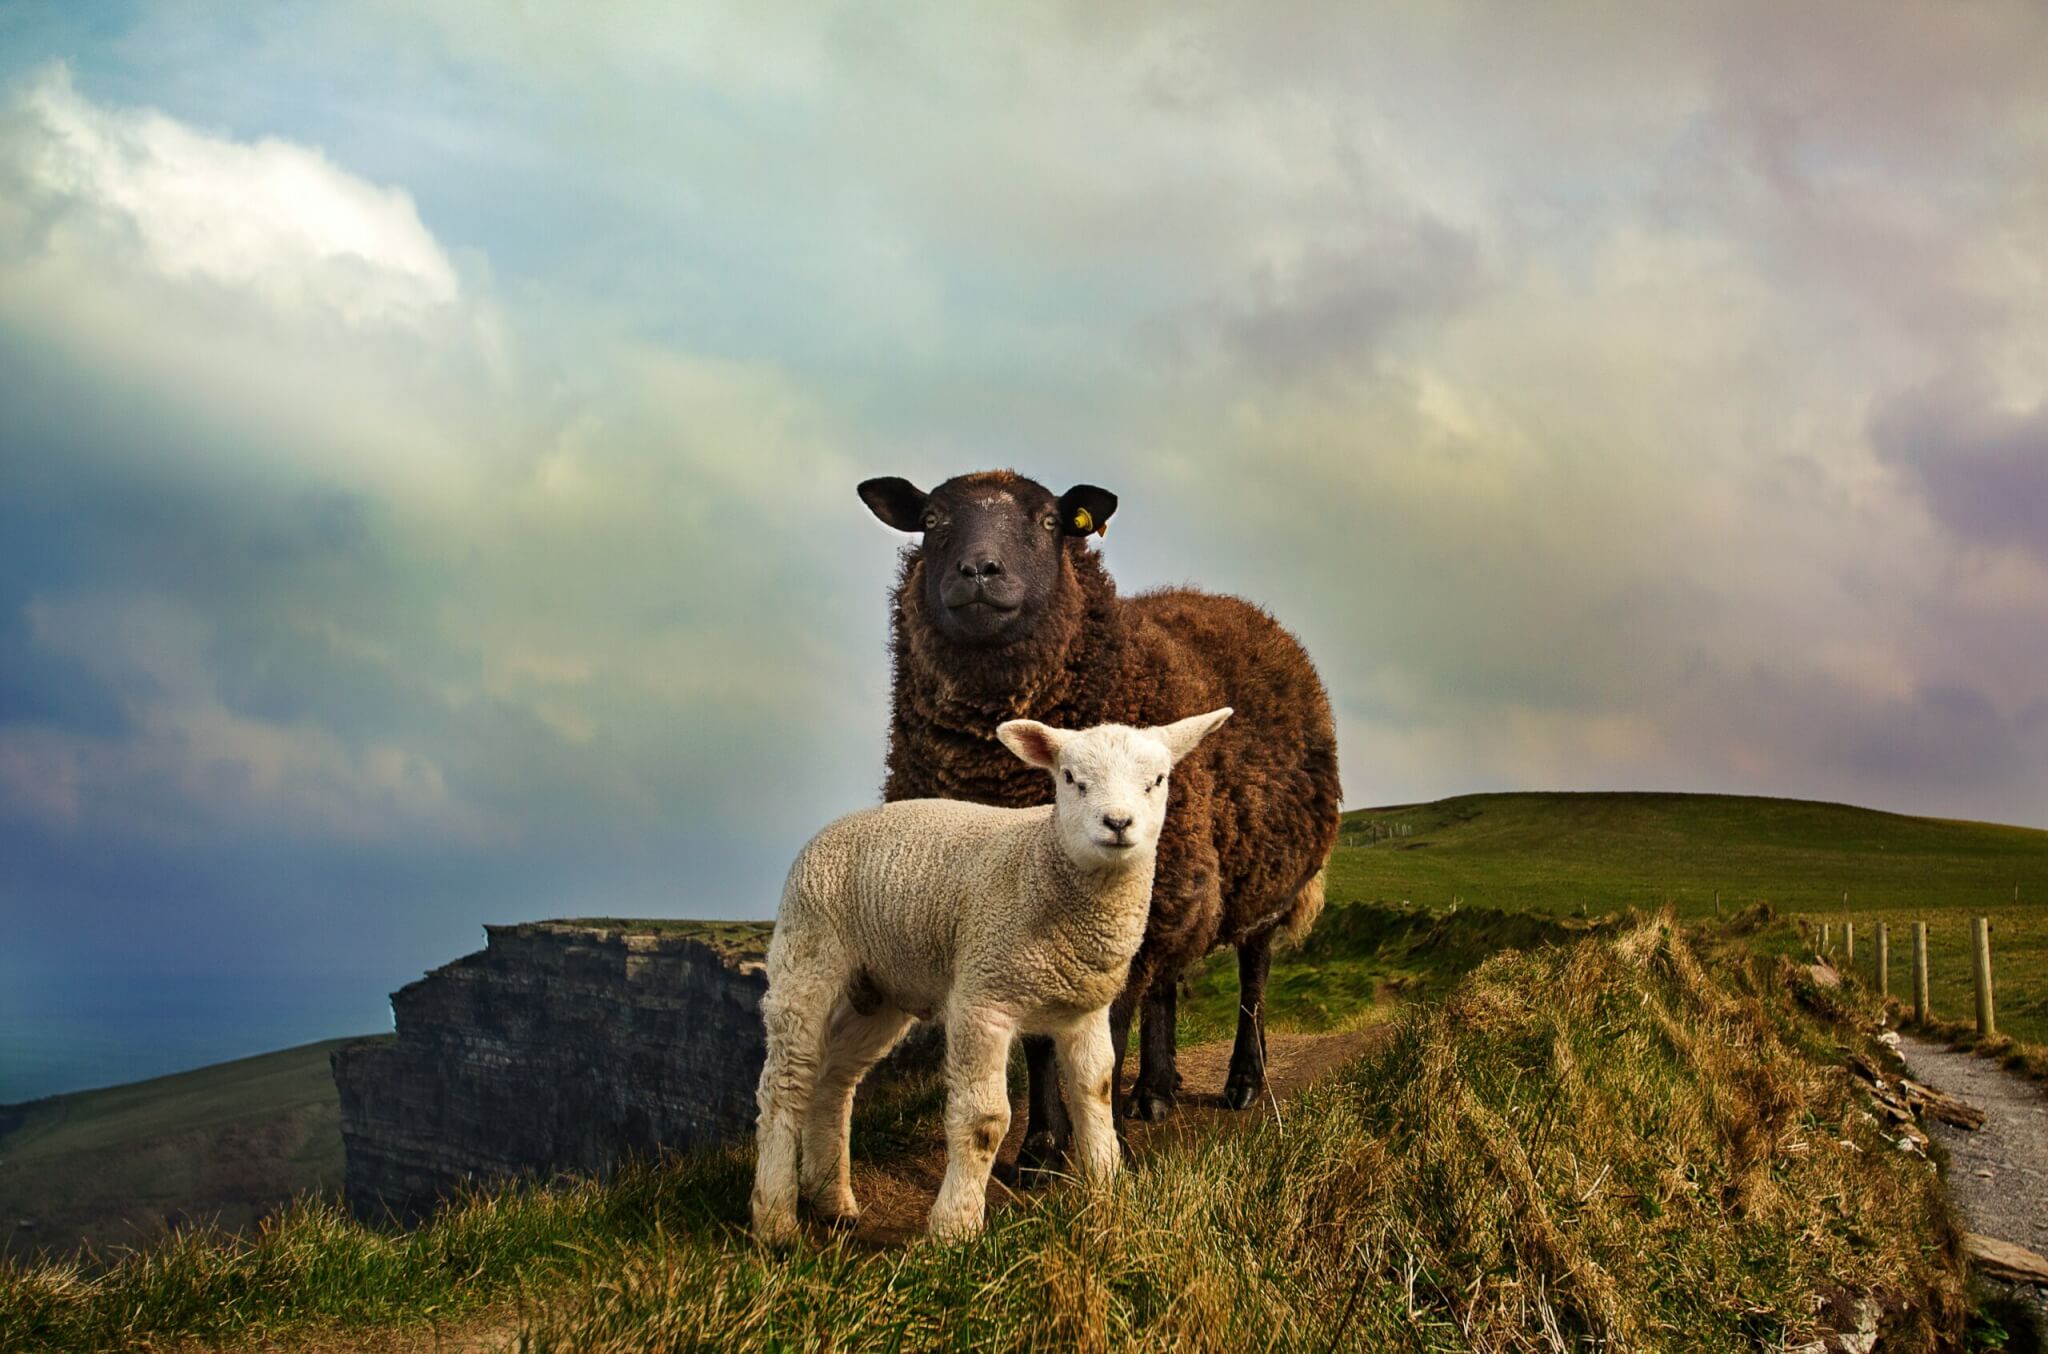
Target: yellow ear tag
[1082, 521]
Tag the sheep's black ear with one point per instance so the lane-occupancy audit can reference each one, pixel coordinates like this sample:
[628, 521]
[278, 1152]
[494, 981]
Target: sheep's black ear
[898, 502]
[1085, 508]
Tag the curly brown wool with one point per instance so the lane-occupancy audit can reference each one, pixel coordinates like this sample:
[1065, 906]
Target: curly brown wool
[1253, 813]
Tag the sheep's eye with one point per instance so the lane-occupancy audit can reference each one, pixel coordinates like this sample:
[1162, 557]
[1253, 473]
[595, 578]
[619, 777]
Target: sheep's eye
[1050, 522]
[1161, 781]
[1069, 775]
[931, 521]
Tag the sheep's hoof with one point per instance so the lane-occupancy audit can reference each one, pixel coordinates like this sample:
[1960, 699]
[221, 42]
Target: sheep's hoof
[1040, 1161]
[1149, 1106]
[1242, 1092]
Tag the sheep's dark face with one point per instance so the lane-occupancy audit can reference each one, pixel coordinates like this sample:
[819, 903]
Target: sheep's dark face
[992, 545]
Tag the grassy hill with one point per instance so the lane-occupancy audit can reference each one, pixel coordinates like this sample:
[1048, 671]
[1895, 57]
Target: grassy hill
[1614, 1133]
[232, 1141]
[1599, 853]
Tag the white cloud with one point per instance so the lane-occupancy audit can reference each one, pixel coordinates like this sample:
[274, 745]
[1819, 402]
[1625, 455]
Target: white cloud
[269, 218]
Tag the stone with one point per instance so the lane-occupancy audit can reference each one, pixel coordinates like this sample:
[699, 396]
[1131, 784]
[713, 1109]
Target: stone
[562, 1046]
[2004, 1260]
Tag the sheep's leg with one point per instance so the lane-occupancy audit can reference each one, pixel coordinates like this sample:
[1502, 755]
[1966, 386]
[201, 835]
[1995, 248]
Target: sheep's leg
[853, 1045]
[1088, 1074]
[1248, 1057]
[1047, 1130]
[1122, 1012]
[794, 1015]
[1158, 1086]
[977, 1117]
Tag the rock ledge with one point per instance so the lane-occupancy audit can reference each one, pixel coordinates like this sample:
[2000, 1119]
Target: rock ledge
[561, 1046]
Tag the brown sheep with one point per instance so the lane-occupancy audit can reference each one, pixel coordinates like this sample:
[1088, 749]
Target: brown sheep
[1003, 611]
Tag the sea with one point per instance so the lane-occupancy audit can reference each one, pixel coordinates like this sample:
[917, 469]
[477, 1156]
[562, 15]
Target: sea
[79, 1030]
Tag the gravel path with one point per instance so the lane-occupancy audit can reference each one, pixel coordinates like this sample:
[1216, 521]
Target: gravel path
[1998, 1174]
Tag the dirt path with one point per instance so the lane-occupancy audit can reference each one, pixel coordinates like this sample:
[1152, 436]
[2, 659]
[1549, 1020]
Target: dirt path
[896, 1196]
[1998, 1174]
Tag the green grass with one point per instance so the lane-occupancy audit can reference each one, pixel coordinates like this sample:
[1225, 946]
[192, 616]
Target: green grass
[1361, 960]
[108, 1166]
[1602, 852]
[1621, 1140]
[741, 939]
[1599, 853]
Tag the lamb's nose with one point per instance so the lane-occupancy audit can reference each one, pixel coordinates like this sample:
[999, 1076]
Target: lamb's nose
[1116, 822]
[980, 568]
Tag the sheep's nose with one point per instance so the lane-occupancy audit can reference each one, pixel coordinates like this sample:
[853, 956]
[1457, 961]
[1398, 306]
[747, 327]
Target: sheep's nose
[980, 568]
[1116, 822]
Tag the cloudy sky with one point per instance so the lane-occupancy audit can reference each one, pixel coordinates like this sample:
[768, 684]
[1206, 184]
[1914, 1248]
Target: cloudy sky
[428, 433]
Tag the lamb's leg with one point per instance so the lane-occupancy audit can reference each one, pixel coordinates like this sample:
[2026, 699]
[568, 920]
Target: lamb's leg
[1158, 1084]
[794, 1015]
[977, 1117]
[1088, 1072]
[1248, 1058]
[1047, 1130]
[856, 1041]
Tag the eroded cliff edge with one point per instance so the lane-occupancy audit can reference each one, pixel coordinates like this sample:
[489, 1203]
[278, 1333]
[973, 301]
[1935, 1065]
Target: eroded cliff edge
[561, 1046]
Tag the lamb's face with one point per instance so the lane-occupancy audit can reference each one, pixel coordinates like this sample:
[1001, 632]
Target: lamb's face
[1109, 795]
[1109, 782]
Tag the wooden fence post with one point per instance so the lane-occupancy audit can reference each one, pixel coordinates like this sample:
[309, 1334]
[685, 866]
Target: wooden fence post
[1980, 948]
[1826, 936]
[1920, 972]
[1884, 960]
[1849, 941]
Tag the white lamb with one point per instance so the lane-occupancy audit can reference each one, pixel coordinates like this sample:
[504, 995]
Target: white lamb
[997, 921]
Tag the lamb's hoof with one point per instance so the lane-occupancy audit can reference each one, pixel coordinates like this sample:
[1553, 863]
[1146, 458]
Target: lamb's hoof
[1149, 1106]
[842, 1213]
[1241, 1093]
[1040, 1161]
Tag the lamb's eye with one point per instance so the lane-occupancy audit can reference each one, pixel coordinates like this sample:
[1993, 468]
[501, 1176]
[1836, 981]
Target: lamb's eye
[1050, 522]
[1161, 781]
[931, 521]
[1069, 775]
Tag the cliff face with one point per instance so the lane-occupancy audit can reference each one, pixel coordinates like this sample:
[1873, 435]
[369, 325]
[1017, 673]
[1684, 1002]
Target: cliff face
[561, 1046]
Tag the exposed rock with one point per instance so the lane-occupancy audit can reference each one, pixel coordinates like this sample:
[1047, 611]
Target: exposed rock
[2004, 1260]
[1905, 1100]
[561, 1046]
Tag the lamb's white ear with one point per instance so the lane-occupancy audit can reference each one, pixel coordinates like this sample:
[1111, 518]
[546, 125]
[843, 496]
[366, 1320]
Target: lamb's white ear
[1036, 743]
[1181, 736]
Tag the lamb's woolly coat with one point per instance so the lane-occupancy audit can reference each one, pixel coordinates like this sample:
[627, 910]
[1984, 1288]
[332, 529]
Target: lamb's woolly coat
[908, 903]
